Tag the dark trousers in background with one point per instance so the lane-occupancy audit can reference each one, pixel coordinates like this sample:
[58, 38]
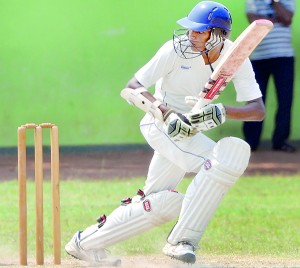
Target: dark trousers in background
[282, 70]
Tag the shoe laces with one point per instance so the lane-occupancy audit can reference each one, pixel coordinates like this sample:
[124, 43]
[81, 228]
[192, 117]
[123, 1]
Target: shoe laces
[188, 244]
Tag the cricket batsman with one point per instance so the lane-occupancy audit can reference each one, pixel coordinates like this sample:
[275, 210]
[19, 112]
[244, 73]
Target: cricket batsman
[177, 134]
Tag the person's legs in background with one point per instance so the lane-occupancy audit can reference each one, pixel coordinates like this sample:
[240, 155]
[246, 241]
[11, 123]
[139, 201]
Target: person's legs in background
[283, 71]
[252, 130]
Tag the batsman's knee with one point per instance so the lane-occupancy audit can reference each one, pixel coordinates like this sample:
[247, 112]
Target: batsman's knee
[233, 153]
[158, 207]
[228, 160]
[165, 206]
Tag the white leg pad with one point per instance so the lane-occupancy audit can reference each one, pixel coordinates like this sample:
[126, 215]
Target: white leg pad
[132, 219]
[228, 161]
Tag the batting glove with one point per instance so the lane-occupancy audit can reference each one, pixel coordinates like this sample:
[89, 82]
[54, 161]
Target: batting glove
[177, 126]
[208, 117]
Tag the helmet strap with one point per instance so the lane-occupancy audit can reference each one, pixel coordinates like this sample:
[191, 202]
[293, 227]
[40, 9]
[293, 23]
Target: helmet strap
[211, 68]
[216, 37]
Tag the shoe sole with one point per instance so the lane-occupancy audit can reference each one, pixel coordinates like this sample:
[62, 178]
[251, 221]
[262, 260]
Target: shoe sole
[75, 257]
[186, 258]
[105, 262]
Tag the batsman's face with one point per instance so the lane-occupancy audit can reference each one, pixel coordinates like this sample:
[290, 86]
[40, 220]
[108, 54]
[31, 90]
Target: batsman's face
[198, 39]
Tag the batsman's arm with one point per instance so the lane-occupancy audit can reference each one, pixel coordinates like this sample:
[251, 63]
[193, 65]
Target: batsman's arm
[176, 125]
[137, 95]
[253, 110]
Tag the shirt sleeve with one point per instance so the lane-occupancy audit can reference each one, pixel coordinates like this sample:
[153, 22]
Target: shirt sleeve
[245, 83]
[160, 65]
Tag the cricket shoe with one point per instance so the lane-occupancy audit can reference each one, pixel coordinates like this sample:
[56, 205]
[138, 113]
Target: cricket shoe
[183, 251]
[93, 257]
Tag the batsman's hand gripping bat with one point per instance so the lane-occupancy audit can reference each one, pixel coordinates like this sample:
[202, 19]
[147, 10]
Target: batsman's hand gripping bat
[240, 50]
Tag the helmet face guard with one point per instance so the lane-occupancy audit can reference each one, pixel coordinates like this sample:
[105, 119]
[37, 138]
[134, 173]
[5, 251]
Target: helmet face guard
[206, 16]
[183, 46]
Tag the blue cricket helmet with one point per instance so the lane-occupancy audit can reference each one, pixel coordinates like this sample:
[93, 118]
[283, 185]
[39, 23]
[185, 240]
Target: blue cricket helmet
[207, 15]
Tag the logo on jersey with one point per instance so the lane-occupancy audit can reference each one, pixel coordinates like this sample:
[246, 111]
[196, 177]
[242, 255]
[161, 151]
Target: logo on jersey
[147, 205]
[185, 67]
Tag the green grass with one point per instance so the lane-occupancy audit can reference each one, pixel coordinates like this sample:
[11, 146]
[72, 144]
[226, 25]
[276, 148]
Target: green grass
[66, 62]
[259, 216]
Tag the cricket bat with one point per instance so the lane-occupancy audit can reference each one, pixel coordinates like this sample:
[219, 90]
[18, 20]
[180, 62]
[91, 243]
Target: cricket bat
[241, 48]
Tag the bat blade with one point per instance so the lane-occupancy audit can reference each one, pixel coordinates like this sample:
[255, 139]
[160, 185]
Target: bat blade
[240, 50]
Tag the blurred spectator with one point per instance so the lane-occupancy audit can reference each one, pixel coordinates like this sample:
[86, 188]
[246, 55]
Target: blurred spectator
[273, 57]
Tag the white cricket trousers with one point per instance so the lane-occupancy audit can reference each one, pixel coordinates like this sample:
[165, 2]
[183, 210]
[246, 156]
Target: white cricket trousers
[171, 161]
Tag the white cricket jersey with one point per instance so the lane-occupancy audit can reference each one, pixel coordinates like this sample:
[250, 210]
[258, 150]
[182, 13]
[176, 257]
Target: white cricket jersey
[278, 41]
[175, 77]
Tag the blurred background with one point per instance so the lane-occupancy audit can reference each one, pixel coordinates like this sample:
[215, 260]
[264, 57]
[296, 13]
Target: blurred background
[66, 61]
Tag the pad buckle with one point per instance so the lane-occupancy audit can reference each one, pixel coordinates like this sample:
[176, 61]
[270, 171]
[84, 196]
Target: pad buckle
[101, 220]
[126, 201]
[141, 193]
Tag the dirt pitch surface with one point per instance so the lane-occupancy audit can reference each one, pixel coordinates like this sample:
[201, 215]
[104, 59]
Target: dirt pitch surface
[165, 262]
[105, 162]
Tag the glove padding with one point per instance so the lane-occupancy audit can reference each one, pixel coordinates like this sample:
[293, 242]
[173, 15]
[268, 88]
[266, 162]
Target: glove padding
[178, 126]
[208, 117]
